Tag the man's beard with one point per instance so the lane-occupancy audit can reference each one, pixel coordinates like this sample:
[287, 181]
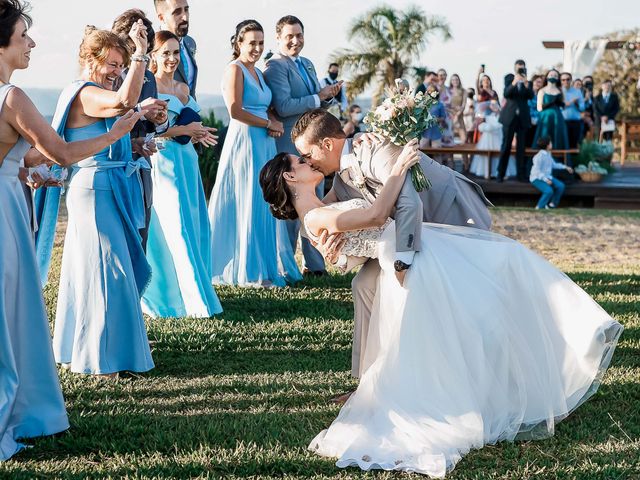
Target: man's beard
[182, 29]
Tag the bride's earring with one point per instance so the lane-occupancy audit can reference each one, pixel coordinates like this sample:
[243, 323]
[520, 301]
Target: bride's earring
[295, 194]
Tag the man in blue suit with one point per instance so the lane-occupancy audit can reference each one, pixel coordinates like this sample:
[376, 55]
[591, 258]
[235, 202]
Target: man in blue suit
[296, 90]
[174, 16]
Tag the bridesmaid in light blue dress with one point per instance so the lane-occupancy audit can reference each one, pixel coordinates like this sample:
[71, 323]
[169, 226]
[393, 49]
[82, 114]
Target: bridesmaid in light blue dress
[179, 245]
[249, 247]
[99, 328]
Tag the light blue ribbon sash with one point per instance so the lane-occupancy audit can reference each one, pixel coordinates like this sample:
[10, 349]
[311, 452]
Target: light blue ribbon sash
[120, 166]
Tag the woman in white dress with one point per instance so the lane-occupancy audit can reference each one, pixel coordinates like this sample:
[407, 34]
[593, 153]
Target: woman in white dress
[491, 139]
[444, 375]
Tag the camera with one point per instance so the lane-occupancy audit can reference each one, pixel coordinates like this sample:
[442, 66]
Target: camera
[522, 71]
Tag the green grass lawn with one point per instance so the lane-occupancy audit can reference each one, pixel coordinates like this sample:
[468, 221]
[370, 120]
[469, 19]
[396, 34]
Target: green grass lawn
[242, 395]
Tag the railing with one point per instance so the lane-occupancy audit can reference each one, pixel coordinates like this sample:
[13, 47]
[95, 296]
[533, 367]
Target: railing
[471, 149]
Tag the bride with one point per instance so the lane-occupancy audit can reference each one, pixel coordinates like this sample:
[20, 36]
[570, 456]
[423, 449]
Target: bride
[485, 341]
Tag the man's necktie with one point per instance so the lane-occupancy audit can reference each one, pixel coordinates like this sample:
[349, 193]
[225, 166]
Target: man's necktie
[304, 74]
[185, 64]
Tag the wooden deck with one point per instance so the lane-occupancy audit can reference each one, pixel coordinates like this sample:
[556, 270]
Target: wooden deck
[618, 190]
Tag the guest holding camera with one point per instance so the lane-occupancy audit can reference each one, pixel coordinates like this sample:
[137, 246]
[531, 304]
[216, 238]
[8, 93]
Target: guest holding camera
[515, 119]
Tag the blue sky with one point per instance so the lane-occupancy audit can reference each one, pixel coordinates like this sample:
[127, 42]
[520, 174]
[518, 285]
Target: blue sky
[492, 32]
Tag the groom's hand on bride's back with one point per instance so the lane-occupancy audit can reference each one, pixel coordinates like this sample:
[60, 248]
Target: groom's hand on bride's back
[329, 245]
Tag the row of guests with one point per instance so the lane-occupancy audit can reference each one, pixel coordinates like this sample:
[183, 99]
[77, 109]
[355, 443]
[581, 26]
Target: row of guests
[541, 107]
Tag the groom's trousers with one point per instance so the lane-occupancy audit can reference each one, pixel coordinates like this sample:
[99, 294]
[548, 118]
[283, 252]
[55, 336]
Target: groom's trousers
[363, 288]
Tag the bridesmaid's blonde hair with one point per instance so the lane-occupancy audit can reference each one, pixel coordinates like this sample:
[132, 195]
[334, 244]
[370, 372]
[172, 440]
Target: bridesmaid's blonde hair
[97, 44]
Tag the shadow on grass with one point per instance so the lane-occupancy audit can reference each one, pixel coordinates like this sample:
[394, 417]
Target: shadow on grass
[251, 442]
[178, 363]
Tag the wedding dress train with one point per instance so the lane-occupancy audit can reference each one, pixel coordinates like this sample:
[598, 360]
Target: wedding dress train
[486, 341]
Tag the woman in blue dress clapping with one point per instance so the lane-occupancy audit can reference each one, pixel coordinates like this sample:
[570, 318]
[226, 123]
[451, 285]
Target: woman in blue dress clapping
[249, 247]
[99, 327]
[179, 245]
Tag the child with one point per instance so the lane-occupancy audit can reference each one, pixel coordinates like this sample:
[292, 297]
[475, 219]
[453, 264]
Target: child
[541, 175]
[469, 115]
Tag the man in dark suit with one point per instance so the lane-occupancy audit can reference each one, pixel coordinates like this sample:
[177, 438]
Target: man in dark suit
[429, 79]
[605, 107]
[174, 16]
[515, 120]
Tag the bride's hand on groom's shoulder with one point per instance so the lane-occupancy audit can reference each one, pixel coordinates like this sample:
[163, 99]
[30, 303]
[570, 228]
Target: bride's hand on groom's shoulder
[329, 246]
[409, 156]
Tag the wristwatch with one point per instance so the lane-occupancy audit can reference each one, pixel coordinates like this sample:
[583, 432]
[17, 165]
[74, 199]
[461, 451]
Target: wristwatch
[400, 266]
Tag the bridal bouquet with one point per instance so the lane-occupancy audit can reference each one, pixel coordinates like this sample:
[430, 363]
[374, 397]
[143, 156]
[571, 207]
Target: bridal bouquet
[401, 118]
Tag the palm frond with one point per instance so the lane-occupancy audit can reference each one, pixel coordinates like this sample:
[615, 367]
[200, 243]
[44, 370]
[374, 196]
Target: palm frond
[387, 42]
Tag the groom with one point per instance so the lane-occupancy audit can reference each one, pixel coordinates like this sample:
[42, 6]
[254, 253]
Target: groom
[453, 199]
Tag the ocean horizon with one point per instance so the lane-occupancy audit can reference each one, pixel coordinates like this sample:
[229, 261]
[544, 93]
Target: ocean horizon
[45, 100]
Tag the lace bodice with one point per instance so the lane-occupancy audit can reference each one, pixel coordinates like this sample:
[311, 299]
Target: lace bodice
[358, 243]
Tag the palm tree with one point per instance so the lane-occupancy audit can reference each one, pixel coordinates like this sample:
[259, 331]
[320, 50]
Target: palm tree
[387, 42]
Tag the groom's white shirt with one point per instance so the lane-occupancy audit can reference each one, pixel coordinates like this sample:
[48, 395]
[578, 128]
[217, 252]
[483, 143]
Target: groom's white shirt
[345, 156]
[346, 159]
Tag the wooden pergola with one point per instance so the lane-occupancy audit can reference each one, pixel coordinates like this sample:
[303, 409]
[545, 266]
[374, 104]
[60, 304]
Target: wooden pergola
[560, 44]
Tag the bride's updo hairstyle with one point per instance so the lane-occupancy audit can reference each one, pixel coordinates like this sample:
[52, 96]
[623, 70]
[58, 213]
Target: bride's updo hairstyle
[160, 38]
[275, 189]
[97, 44]
[10, 12]
[241, 29]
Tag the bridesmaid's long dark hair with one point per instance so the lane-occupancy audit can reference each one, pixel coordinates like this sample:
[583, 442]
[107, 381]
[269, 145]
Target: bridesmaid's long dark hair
[241, 29]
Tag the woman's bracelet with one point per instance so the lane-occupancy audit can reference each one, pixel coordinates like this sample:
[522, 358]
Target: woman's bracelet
[268, 123]
[140, 58]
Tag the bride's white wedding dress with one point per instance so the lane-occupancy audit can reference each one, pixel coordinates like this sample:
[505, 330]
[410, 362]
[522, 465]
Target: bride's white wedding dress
[487, 341]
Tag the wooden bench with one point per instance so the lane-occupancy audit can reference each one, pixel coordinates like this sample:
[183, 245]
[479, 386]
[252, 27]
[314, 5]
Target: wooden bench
[470, 149]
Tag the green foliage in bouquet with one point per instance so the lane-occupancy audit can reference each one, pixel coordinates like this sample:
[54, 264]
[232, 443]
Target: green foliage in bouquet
[601, 153]
[209, 158]
[401, 118]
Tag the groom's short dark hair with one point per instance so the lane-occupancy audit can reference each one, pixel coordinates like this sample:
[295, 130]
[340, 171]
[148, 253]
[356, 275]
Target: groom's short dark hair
[317, 124]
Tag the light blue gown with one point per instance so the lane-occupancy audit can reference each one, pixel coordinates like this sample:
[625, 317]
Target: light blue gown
[99, 327]
[179, 245]
[249, 246]
[31, 402]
